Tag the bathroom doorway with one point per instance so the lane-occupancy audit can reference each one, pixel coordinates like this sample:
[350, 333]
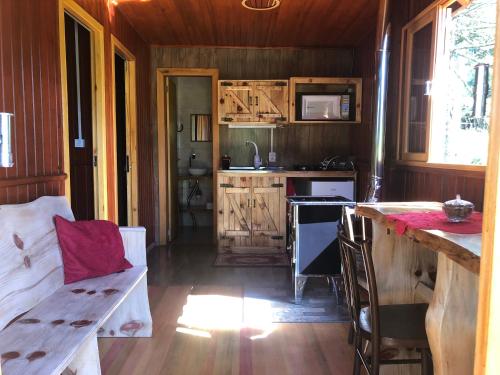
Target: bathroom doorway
[187, 138]
[125, 134]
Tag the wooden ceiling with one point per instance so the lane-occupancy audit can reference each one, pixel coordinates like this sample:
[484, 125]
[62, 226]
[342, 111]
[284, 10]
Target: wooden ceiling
[295, 23]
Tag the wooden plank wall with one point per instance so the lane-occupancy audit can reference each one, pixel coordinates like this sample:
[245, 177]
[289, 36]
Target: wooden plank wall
[409, 183]
[294, 144]
[361, 143]
[31, 89]
[298, 144]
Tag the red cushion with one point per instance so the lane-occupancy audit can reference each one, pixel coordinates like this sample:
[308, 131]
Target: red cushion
[90, 248]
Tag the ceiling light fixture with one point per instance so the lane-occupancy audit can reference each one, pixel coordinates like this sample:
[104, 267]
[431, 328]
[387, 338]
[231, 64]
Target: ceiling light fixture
[261, 5]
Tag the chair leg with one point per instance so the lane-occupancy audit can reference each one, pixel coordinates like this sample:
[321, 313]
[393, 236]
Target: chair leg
[357, 349]
[427, 366]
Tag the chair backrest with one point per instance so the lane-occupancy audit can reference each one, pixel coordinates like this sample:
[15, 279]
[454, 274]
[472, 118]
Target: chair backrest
[31, 262]
[347, 220]
[348, 249]
[354, 225]
[366, 250]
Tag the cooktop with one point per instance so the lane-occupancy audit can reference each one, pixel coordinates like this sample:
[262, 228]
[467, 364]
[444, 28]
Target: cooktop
[331, 165]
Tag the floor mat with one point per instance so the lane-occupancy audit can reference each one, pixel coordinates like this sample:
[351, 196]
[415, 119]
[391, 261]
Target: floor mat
[252, 260]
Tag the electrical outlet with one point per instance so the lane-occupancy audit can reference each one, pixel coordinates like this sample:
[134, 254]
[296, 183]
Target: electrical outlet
[79, 143]
[272, 157]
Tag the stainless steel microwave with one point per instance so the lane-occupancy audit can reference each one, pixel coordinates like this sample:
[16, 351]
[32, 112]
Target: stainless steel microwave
[323, 107]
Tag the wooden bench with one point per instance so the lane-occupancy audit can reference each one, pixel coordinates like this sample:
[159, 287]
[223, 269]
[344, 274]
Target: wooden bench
[52, 328]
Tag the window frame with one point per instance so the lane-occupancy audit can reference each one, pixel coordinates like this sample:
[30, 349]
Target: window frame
[435, 14]
[428, 16]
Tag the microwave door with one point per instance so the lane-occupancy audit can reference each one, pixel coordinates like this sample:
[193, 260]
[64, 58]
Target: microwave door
[321, 107]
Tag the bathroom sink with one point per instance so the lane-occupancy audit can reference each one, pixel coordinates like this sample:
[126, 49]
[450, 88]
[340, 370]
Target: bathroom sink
[197, 171]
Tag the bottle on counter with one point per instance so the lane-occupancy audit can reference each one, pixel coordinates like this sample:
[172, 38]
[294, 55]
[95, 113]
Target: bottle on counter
[226, 161]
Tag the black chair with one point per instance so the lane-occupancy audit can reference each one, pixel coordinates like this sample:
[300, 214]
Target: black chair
[387, 326]
[353, 227]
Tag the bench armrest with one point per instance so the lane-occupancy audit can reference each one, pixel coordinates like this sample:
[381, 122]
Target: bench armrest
[134, 241]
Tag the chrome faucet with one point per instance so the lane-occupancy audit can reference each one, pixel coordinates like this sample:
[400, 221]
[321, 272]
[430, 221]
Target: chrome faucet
[257, 161]
[191, 158]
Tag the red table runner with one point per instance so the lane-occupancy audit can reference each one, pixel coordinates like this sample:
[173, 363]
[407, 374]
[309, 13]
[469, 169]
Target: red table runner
[436, 220]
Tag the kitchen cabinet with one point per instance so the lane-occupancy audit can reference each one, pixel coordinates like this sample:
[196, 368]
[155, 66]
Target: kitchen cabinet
[253, 102]
[251, 212]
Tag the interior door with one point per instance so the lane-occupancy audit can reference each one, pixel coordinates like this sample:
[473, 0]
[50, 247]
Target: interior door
[173, 199]
[234, 216]
[268, 212]
[270, 100]
[122, 152]
[81, 143]
[236, 102]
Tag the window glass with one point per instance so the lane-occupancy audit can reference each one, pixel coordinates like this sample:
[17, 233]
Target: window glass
[418, 106]
[462, 108]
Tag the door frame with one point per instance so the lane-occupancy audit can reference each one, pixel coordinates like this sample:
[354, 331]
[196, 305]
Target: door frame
[163, 135]
[131, 128]
[98, 103]
[486, 359]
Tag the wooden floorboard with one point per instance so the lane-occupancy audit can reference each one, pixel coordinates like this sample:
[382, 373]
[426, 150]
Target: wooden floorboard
[292, 348]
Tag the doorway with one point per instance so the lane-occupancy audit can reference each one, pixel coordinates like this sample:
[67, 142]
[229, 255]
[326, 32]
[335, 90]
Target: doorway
[122, 157]
[187, 138]
[80, 130]
[125, 121]
[81, 49]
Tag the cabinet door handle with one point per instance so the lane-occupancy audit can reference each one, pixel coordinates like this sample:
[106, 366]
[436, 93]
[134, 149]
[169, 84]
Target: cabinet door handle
[248, 202]
[249, 98]
[256, 100]
[254, 203]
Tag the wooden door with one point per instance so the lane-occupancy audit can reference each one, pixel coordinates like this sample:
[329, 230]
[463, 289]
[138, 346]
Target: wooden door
[270, 100]
[234, 224]
[172, 189]
[80, 125]
[236, 102]
[269, 212]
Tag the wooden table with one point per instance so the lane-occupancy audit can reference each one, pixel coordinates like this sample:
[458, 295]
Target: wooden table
[431, 266]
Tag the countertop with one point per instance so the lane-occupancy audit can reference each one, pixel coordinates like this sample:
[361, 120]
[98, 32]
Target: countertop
[465, 249]
[291, 173]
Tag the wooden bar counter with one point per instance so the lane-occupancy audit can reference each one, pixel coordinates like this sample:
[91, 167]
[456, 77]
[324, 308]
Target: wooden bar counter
[431, 266]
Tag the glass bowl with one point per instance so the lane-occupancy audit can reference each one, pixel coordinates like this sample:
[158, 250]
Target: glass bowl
[458, 210]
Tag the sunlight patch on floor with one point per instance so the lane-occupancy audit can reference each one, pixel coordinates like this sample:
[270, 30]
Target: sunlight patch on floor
[203, 314]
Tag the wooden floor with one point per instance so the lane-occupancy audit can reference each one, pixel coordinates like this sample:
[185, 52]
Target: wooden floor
[222, 346]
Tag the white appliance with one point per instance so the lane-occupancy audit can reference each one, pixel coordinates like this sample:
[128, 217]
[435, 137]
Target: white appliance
[344, 189]
[324, 107]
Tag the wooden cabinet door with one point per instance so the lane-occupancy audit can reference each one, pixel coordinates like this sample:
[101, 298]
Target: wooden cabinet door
[269, 212]
[270, 100]
[236, 102]
[234, 224]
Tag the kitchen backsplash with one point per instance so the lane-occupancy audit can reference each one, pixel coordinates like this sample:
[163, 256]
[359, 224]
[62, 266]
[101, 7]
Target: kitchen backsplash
[293, 144]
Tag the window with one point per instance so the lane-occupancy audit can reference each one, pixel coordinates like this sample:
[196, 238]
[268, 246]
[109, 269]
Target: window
[446, 80]
[418, 47]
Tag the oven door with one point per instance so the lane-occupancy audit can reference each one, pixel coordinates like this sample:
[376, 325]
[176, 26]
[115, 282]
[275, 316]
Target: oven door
[316, 242]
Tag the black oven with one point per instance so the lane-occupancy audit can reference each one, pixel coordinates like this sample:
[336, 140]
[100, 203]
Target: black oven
[312, 240]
